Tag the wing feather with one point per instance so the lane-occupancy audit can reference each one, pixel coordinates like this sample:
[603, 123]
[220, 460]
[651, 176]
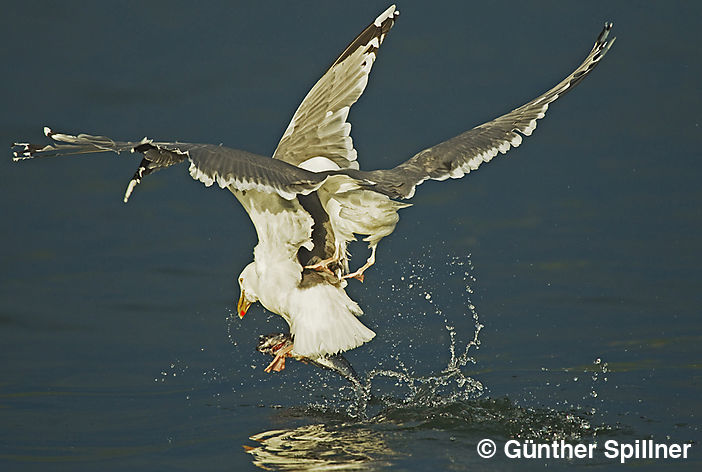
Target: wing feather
[318, 127]
[209, 164]
[467, 151]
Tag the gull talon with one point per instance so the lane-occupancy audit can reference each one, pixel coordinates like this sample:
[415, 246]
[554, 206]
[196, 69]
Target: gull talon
[323, 266]
[278, 362]
[319, 267]
[358, 275]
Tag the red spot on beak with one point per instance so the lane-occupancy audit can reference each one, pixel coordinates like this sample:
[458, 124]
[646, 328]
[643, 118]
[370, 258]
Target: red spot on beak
[243, 305]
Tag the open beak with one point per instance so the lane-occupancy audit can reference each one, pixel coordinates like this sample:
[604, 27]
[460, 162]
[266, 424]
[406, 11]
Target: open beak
[243, 305]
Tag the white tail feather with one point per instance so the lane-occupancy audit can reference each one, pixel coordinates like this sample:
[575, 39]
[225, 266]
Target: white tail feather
[325, 322]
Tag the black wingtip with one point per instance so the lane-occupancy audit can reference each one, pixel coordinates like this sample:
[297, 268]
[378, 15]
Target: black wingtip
[602, 45]
[142, 171]
[22, 151]
[602, 38]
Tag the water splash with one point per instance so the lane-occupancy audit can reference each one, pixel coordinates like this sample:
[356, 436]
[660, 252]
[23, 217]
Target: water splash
[420, 383]
[420, 364]
[451, 397]
[174, 369]
[588, 379]
[451, 383]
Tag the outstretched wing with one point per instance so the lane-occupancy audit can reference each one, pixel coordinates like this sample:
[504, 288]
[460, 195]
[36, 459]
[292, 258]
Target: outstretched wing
[458, 156]
[318, 137]
[279, 198]
[229, 168]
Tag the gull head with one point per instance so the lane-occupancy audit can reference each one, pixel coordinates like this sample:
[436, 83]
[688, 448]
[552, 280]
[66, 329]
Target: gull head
[248, 287]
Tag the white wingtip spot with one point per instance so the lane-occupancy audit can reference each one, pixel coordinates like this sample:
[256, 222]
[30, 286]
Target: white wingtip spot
[130, 188]
[390, 12]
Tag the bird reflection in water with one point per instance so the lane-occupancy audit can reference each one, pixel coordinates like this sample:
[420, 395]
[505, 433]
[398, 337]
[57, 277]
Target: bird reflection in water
[319, 447]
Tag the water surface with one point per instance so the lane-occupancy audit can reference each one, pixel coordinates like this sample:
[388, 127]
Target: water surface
[578, 254]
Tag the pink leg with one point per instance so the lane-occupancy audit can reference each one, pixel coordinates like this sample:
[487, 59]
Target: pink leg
[278, 362]
[323, 266]
[359, 273]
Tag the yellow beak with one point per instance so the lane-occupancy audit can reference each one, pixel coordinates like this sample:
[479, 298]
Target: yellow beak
[243, 305]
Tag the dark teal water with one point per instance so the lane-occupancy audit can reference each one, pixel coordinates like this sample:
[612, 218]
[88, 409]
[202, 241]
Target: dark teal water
[579, 252]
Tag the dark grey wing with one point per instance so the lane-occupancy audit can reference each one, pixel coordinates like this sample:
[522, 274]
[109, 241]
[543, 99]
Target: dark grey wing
[323, 240]
[458, 156]
[318, 128]
[229, 168]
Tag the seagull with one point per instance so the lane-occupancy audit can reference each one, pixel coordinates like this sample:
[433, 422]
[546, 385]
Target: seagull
[311, 199]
